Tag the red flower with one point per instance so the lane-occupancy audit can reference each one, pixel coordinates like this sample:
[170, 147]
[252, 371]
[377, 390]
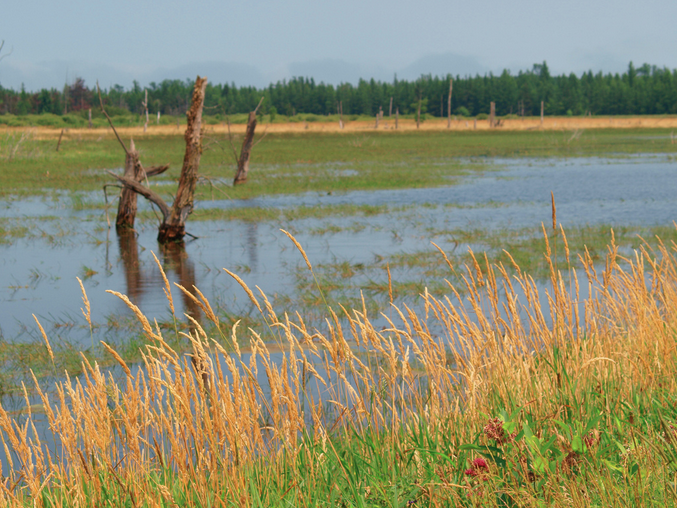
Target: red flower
[480, 463]
[477, 466]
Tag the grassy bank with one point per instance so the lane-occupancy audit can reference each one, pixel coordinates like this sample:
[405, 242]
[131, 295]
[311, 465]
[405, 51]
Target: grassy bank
[304, 161]
[505, 408]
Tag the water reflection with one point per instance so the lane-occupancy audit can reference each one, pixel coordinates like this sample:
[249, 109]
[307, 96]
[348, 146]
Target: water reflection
[175, 259]
[129, 254]
[252, 244]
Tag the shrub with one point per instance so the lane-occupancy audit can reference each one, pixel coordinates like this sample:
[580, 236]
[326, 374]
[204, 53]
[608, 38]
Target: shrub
[462, 111]
[49, 120]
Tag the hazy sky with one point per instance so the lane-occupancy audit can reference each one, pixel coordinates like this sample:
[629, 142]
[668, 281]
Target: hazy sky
[259, 41]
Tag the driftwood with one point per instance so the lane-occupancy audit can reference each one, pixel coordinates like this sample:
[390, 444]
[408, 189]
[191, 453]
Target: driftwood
[247, 146]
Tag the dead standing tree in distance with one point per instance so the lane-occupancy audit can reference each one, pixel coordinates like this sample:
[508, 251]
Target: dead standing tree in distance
[173, 226]
[247, 146]
[451, 87]
[134, 170]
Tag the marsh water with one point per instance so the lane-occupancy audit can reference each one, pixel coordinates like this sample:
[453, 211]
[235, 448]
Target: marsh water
[39, 270]
[62, 242]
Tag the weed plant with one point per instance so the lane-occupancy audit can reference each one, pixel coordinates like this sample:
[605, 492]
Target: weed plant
[504, 408]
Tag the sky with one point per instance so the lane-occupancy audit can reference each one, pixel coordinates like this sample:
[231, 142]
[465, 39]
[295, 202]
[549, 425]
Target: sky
[256, 42]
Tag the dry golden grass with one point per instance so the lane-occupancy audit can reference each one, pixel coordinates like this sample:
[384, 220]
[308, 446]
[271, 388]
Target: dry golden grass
[209, 417]
[526, 124]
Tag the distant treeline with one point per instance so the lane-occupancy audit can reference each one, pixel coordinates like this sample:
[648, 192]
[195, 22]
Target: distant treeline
[644, 90]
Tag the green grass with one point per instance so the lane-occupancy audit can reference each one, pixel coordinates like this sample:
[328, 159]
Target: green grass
[292, 163]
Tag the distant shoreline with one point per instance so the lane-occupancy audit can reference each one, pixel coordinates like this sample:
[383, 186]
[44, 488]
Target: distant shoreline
[563, 123]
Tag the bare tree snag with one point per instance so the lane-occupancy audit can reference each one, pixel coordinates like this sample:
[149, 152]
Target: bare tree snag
[542, 113]
[492, 114]
[59, 142]
[134, 174]
[2, 45]
[418, 113]
[89, 114]
[247, 145]
[173, 228]
[127, 205]
[451, 86]
[339, 112]
[145, 105]
[397, 117]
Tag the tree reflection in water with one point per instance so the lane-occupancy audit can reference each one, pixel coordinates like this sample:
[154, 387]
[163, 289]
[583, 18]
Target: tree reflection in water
[175, 261]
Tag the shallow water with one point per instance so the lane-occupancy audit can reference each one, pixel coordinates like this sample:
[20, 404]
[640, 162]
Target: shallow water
[38, 273]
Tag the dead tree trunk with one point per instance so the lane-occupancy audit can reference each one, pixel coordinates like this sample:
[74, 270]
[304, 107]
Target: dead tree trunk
[145, 105]
[451, 85]
[173, 223]
[247, 146]
[128, 202]
[418, 113]
[542, 111]
[245, 152]
[173, 228]
[134, 174]
[492, 115]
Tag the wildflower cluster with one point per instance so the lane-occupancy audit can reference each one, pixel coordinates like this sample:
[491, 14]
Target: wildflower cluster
[494, 430]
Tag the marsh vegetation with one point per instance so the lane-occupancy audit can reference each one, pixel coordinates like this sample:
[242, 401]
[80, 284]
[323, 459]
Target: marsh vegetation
[509, 360]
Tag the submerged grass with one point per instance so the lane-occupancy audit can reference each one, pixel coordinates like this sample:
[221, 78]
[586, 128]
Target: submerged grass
[502, 408]
[347, 283]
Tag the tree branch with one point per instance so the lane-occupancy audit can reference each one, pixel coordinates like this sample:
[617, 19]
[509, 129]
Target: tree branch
[265, 133]
[230, 138]
[156, 170]
[1, 46]
[257, 107]
[103, 110]
[145, 192]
